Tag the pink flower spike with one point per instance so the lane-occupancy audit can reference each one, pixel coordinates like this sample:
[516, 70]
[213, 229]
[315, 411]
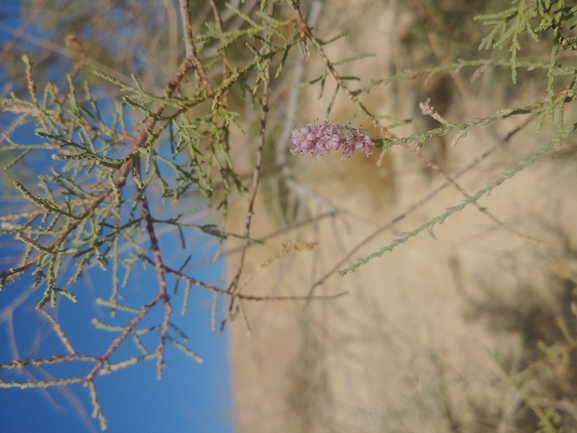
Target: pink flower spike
[320, 138]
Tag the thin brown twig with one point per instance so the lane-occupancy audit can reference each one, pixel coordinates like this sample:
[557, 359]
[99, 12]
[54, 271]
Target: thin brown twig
[186, 29]
[194, 282]
[191, 52]
[223, 52]
[160, 275]
[222, 100]
[116, 342]
[254, 186]
[266, 237]
[255, 179]
[162, 295]
[60, 332]
[7, 132]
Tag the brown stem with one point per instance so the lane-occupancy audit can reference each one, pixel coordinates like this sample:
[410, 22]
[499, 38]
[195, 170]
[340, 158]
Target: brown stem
[191, 52]
[223, 52]
[116, 343]
[160, 275]
[254, 187]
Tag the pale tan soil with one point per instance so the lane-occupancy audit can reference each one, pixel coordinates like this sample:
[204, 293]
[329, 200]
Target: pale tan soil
[408, 349]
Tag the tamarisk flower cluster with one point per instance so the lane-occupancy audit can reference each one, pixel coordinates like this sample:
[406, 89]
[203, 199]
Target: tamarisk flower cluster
[320, 138]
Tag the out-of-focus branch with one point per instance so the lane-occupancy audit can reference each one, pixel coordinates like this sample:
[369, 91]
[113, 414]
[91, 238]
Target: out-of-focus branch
[191, 52]
[223, 52]
[254, 188]
[67, 53]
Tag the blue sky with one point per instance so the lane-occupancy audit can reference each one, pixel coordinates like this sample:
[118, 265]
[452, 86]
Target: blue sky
[191, 397]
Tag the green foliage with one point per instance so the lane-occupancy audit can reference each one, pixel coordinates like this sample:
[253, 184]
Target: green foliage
[97, 197]
[530, 18]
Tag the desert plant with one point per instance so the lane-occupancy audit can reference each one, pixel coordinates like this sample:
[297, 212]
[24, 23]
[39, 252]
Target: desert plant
[129, 159]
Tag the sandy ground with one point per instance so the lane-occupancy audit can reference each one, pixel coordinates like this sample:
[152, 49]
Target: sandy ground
[427, 333]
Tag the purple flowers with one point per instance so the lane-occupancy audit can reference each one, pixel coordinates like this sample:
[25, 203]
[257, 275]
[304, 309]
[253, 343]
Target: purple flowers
[318, 139]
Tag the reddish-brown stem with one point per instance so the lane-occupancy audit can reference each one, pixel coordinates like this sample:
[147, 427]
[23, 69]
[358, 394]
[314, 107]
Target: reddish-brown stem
[223, 53]
[194, 282]
[60, 332]
[160, 274]
[116, 343]
[191, 52]
[254, 187]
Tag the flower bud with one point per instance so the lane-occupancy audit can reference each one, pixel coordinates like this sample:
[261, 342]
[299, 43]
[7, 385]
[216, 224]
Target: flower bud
[320, 138]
